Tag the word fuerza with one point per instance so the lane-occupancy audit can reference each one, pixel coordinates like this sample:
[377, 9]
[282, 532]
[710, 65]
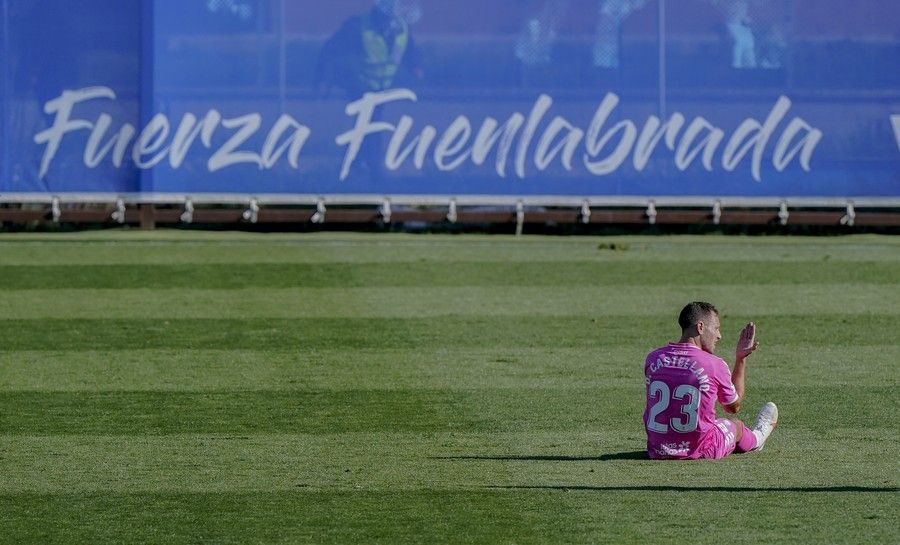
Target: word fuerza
[601, 147]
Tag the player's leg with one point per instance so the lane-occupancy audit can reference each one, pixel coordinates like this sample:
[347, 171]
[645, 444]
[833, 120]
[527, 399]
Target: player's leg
[745, 441]
[755, 438]
[733, 436]
[720, 441]
[766, 420]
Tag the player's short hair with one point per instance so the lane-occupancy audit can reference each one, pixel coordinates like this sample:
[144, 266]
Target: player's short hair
[695, 312]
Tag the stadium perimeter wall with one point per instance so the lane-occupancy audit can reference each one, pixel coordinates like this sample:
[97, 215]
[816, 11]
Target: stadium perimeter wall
[601, 111]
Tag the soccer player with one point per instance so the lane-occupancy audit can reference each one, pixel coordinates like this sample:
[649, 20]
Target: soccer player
[684, 381]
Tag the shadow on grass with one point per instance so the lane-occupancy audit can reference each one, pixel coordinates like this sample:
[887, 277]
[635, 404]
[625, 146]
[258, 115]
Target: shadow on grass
[632, 455]
[651, 488]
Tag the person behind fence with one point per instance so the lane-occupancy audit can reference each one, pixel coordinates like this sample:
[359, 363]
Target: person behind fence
[536, 40]
[612, 13]
[737, 21]
[370, 52]
[684, 380]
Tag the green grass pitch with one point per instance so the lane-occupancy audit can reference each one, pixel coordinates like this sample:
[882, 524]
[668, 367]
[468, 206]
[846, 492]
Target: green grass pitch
[188, 387]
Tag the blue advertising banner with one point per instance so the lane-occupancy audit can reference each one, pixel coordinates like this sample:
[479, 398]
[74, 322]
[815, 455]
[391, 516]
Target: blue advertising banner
[569, 98]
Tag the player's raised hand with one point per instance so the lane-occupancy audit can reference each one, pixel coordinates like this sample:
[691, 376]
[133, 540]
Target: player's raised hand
[747, 341]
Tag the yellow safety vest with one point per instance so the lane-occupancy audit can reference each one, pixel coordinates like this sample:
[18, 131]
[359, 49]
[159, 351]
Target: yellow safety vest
[381, 60]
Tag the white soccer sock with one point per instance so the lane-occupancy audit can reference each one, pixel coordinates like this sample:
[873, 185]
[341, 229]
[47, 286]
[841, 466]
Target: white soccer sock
[760, 438]
[765, 423]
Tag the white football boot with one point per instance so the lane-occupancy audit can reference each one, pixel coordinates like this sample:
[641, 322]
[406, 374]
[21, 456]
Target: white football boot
[766, 420]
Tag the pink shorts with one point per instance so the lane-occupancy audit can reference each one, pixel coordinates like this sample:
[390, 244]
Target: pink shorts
[719, 441]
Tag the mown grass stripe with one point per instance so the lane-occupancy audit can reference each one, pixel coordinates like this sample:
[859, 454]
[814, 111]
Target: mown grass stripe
[445, 332]
[767, 514]
[462, 367]
[174, 247]
[435, 274]
[430, 302]
[408, 410]
[386, 461]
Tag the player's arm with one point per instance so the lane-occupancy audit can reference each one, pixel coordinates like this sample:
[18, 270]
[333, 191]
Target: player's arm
[745, 346]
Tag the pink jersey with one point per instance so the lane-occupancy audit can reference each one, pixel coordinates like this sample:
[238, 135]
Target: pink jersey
[683, 385]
